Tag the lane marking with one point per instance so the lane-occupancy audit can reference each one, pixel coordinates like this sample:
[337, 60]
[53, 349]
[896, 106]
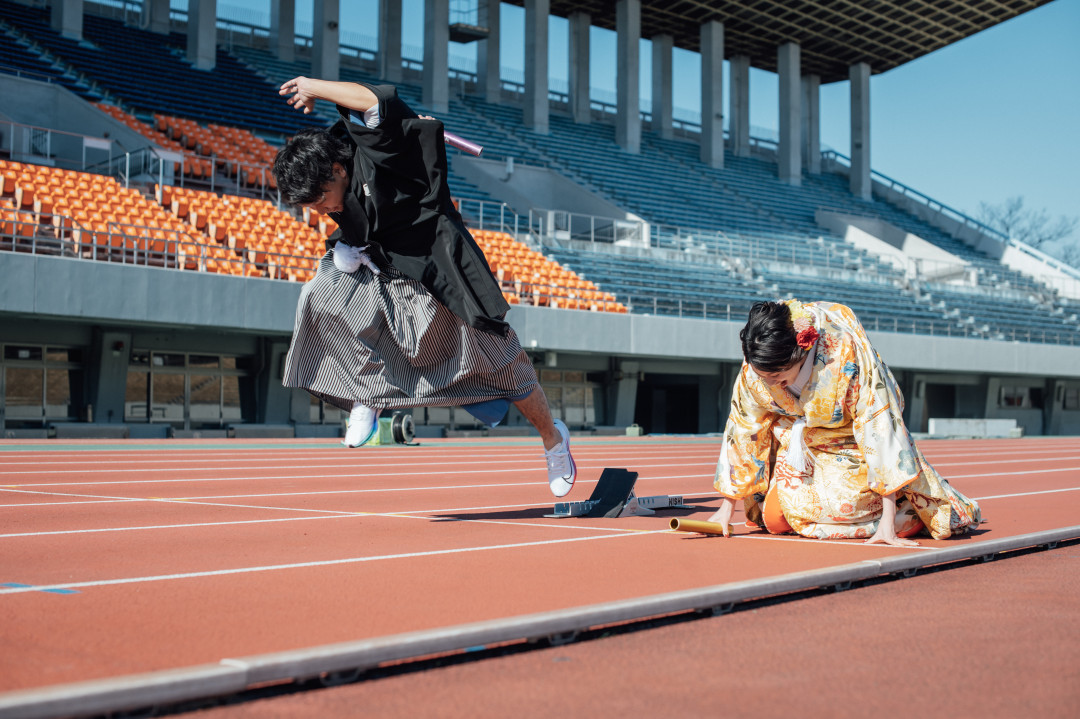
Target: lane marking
[21, 490]
[377, 455]
[432, 514]
[321, 563]
[1027, 494]
[464, 462]
[32, 588]
[506, 466]
[1010, 474]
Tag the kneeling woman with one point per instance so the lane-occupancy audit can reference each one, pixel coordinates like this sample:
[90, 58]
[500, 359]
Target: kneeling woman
[816, 443]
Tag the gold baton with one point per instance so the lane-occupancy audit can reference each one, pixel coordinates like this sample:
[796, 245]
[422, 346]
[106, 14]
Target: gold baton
[696, 525]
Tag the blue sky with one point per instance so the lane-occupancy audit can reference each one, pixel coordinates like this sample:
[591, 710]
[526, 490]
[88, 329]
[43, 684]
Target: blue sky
[982, 120]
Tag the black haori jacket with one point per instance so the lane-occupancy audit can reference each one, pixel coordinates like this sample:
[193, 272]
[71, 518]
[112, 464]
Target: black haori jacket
[398, 204]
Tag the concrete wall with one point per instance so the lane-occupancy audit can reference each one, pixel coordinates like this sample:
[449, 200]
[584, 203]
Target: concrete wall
[1064, 280]
[884, 239]
[94, 305]
[51, 106]
[54, 288]
[529, 187]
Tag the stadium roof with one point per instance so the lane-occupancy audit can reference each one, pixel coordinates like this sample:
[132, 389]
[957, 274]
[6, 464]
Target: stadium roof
[832, 35]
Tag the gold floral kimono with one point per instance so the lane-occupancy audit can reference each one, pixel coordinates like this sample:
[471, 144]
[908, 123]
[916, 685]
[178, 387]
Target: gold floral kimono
[856, 446]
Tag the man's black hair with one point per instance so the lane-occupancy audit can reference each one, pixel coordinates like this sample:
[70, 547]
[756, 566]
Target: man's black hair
[768, 339]
[306, 164]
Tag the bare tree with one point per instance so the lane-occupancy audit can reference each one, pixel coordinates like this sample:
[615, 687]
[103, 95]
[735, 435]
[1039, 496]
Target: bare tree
[1070, 255]
[1032, 227]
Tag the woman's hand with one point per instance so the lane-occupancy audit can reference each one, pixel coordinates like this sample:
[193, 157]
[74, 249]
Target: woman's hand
[303, 93]
[886, 530]
[722, 516]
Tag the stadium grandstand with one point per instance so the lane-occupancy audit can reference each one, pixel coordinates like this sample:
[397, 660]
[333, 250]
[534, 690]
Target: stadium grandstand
[149, 272]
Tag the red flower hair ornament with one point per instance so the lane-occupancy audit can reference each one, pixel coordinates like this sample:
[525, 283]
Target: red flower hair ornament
[803, 324]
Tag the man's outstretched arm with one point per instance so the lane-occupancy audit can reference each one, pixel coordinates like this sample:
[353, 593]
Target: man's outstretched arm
[305, 91]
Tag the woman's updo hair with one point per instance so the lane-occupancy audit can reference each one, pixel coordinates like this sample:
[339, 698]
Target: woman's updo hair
[768, 339]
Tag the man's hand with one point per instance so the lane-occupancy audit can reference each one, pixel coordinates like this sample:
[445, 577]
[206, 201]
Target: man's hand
[303, 93]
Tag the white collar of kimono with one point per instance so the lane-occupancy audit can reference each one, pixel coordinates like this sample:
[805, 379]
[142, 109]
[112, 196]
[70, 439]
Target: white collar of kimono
[370, 118]
[803, 377]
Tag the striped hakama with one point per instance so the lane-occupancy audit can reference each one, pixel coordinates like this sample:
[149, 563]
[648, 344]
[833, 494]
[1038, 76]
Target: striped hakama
[384, 341]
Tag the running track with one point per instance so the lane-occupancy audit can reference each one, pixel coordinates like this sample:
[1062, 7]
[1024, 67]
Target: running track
[119, 560]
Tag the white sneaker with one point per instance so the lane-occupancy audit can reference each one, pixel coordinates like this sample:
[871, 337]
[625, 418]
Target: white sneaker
[361, 426]
[560, 465]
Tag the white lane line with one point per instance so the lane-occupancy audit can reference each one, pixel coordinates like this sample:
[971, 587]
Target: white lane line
[1026, 460]
[103, 530]
[469, 458]
[322, 563]
[325, 462]
[1011, 474]
[183, 456]
[514, 466]
[1027, 494]
[20, 490]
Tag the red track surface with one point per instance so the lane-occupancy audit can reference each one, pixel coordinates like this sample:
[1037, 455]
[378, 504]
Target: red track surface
[186, 553]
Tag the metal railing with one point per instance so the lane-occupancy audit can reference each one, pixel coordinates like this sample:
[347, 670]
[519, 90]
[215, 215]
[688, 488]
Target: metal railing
[43, 145]
[929, 202]
[151, 246]
[145, 245]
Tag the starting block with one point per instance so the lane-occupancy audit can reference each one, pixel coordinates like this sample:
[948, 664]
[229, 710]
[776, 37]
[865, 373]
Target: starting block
[613, 496]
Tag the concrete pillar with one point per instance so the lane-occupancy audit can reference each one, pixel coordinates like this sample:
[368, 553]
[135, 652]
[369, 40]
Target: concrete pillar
[624, 394]
[275, 402]
[811, 123]
[580, 105]
[787, 64]
[739, 129]
[860, 130]
[67, 18]
[709, 404]
[436, 80]
[536, 65]
[488, 68]
[628, 75]
[202, 34]
[390, 41]
[108, 380]
[156, 16]
[283, 29]
[325, 45]
[915, 405]
[712, 93]
[1054, 406]
[662, 106]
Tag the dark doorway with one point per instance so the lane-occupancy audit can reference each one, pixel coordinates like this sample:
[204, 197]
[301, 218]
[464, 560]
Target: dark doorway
[940, 402]
[668, 405]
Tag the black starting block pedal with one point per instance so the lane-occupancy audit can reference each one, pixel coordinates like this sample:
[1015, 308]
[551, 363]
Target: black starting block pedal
[613, 496]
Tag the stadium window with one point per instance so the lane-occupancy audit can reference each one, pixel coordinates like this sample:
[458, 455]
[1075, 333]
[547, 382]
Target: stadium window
[1072, 398]
[137, 391]
[325, 413]
[570, 396]
[40, 384]
[1012, 396]
[188, 391]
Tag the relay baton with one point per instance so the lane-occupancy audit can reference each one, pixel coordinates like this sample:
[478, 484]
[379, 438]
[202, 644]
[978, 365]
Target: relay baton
[695, 525]
[462, 144]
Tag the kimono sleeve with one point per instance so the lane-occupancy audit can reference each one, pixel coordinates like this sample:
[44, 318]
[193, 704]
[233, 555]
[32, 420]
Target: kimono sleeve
[744, 466]
[877, 409]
